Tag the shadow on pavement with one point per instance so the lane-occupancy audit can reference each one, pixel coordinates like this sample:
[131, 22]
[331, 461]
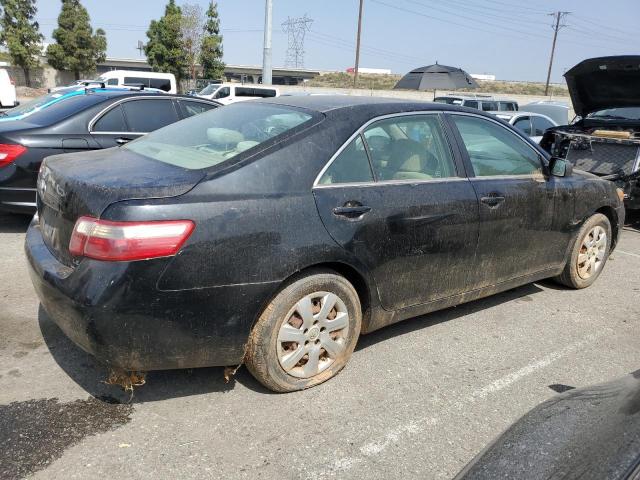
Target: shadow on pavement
[431, 319]
[89, 374]
[14, 223]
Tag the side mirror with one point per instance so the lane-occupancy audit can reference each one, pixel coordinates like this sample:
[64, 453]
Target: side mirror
[559, 167]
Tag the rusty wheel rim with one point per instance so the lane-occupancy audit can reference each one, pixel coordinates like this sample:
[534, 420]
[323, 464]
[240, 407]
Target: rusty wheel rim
[313, 335]
[592, 252]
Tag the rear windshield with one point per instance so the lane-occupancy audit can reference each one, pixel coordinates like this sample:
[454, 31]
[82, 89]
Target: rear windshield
[51, 108]
[211, 138]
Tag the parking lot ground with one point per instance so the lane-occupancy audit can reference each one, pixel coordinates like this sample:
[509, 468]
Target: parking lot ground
[418, 400]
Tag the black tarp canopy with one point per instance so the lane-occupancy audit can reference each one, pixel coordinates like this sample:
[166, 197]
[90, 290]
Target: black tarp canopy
[436, 77]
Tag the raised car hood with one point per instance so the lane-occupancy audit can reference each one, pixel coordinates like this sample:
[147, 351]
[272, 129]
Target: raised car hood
[605, 82]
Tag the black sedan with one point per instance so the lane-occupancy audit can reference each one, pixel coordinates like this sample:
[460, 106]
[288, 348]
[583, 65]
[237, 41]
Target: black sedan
[76, 121]
[274, 232]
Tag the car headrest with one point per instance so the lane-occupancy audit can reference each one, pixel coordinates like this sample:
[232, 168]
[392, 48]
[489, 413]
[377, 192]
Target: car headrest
[224, 136]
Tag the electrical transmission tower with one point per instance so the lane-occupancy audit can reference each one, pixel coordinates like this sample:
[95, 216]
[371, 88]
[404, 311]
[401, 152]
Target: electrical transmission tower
[558, 16]
[296, 29]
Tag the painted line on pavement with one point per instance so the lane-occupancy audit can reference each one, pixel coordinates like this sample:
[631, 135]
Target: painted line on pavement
[376, 447]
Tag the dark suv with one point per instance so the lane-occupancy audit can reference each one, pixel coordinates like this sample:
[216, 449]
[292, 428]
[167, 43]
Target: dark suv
[94, 119]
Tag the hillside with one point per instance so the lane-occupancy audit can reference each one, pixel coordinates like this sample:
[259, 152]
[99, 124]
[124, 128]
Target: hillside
[386, 82]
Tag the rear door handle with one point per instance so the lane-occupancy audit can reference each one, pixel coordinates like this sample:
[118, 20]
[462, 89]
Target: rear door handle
[122, 140]
[492, 200]
[351, 212]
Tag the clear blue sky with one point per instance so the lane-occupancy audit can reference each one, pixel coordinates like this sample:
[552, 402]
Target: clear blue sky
[508, 38]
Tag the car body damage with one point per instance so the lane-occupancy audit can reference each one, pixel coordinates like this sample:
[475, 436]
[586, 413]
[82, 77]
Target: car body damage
[605, 140]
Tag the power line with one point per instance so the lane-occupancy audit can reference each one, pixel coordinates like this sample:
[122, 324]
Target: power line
[556, 28]
[477, 29]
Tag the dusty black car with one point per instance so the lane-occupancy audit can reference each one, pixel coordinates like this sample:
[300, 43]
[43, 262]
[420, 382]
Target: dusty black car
[591, 433]
[605, 139]
[274, 232]
[77, 120]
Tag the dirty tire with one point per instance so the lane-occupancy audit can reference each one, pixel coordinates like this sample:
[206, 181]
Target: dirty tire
[267, 354]
[571, 276]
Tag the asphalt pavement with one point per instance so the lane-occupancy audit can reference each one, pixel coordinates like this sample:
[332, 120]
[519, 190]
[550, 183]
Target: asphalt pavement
[418, 399]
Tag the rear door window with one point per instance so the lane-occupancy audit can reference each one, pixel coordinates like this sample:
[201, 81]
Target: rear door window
[147, 115]
[489, 106]
[540, 125]
[136, 81]
[112, 121]
[160, 83]
[350, 166]
[189, 108]
[416, 150]
[524, 125]
[471, 104]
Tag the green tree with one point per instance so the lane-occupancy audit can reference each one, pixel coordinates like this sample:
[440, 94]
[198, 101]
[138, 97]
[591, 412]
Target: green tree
[211, 49]
[165, 49]
[77, 49]
[21, 34]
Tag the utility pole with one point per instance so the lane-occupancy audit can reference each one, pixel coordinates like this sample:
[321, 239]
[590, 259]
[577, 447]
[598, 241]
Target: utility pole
[556, 27]
[357, 65]
[266, 57]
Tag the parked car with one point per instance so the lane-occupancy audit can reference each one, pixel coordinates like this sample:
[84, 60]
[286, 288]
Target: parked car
[274, 232]
[531, 124]
[8, 98]
[485, 104]
[605, 140]
[556, 111]
[124, 78]
[591, 433]
[76, 83]
[227, 93]
[78, 121]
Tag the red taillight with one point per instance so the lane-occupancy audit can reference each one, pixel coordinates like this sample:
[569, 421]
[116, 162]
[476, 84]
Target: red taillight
[127, 241]
[9, 152]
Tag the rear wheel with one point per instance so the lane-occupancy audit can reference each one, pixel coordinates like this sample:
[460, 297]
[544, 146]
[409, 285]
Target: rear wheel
[306, 334]
[589, 254]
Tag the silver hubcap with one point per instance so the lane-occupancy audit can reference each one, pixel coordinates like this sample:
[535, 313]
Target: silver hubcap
[313, 335]
[592, 252]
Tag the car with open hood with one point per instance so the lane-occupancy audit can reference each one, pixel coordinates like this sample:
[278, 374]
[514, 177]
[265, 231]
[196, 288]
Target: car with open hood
[274, 232]
[605, 138]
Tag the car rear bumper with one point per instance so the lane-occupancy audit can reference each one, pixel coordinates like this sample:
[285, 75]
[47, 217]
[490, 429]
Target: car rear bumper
[114, 311]
[18, 200]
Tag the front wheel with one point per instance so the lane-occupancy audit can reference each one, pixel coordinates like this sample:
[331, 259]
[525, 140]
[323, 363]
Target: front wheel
[589, 253]
[306, 334]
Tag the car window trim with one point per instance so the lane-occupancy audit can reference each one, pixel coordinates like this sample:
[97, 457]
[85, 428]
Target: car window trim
[463, 149]
[105, 110]
[360, 131]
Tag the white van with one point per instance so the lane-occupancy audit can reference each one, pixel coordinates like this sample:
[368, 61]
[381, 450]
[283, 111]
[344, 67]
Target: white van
[227, 93]
[8, 97]
[122, 78]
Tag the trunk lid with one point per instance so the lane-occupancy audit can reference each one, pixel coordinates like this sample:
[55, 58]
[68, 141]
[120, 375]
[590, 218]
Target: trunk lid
[605, 82]
[73, 185]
